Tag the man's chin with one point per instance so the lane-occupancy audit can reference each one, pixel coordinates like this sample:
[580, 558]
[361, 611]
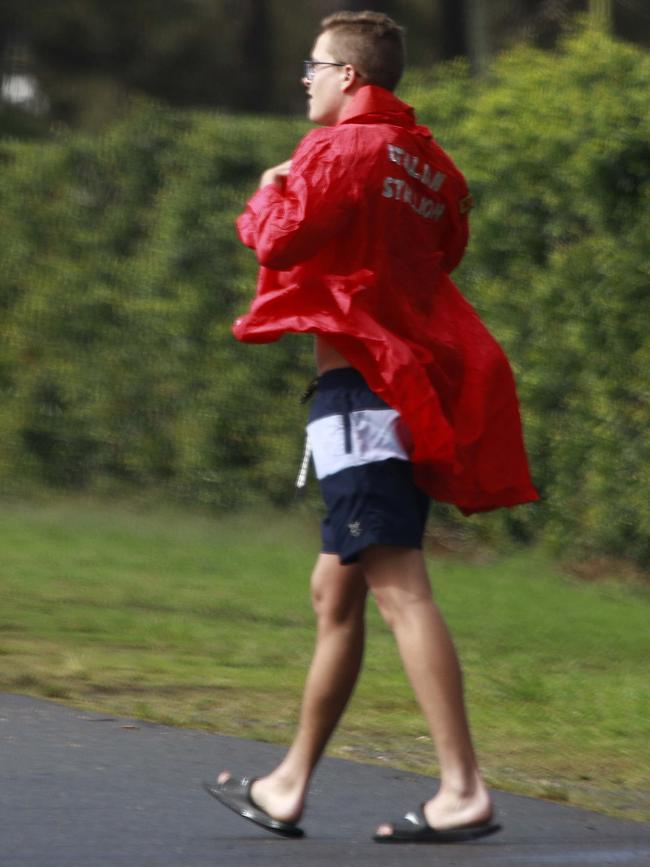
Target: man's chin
[317, 118]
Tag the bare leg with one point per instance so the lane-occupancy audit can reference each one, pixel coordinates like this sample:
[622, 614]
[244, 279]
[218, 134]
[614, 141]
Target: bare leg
[398, 579]
[338, 594]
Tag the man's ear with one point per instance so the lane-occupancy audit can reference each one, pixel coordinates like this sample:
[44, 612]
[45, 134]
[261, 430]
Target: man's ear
[351, 79]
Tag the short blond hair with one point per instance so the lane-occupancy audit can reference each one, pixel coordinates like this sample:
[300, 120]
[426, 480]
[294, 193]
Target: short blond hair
[371, 42]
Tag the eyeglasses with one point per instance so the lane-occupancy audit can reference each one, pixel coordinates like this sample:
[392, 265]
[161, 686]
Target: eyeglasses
[309, 68]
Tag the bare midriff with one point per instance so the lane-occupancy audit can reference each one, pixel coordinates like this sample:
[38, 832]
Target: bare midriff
[327, 358]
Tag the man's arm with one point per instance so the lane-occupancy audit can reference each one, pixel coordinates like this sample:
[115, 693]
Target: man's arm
[247, 222]
[301, 204]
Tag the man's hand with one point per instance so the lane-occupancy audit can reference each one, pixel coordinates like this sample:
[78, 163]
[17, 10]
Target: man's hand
[276, 174]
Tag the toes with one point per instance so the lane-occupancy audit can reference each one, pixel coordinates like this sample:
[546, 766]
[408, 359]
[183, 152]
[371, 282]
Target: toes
[223, 777]
[384, 830]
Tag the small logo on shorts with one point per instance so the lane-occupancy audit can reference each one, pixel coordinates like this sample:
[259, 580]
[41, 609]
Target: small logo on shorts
[355, 529]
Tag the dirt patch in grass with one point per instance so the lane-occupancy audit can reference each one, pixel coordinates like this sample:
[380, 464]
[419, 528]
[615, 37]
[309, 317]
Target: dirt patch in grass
[608, 569]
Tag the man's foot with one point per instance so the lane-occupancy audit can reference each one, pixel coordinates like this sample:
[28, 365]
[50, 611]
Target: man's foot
[448, 813]
[275, 795]
[279, 797]
[414, 828]
[237, 796]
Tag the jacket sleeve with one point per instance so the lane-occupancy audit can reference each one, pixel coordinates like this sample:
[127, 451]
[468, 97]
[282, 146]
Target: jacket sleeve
[286, 226]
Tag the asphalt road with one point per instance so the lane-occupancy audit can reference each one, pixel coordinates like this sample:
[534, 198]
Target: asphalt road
[82, 790]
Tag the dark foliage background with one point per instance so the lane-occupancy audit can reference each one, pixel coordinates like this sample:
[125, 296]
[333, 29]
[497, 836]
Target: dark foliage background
[79, 62]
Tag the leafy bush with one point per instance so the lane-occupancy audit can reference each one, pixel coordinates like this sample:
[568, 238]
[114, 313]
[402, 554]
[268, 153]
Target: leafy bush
[556, 147]
[122, 273]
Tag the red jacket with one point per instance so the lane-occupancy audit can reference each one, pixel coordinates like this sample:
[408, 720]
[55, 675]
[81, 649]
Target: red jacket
[358, 247]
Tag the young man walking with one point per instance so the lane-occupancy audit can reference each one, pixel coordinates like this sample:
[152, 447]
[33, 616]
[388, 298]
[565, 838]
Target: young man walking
[356, 236]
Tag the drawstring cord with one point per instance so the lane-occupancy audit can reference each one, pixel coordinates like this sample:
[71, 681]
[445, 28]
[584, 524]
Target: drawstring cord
[301, 481]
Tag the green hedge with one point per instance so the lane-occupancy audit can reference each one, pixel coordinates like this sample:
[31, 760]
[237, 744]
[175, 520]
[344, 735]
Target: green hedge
[121, 274]
[556, 147]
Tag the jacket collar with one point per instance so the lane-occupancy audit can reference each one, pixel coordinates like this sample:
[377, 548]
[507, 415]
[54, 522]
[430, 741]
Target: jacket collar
[372, 104]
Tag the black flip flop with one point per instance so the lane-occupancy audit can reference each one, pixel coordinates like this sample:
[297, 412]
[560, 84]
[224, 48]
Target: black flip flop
[236, 795]
[414, 828]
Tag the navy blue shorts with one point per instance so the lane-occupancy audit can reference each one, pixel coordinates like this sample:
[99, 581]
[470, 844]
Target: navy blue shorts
[360, 453]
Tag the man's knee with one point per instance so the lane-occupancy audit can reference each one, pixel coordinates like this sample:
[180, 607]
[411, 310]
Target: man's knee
[337, 609]
[397, 579]
[399, 608]
[338, 596]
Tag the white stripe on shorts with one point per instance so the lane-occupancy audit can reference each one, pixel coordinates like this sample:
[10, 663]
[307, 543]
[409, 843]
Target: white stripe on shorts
[374, 436]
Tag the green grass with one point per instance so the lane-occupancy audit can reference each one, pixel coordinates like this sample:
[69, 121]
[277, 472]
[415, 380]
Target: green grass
[191, 619]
